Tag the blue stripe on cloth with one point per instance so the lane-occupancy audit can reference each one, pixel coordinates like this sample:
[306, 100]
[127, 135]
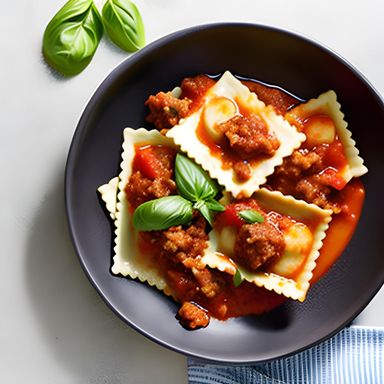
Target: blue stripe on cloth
[353, 356]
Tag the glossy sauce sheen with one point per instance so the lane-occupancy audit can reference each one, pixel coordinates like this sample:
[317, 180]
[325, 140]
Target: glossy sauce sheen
[341, 227]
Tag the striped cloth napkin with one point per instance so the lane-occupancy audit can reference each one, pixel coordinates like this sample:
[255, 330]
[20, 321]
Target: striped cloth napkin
[353, 356]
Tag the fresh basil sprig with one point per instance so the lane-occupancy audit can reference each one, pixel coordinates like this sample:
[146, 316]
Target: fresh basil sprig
[162, 213]
[124, 25]
[207, 208]
[197, 191]
[72, 37]
[205, 211]
[195, 185]
[238, 278]
[251, 216]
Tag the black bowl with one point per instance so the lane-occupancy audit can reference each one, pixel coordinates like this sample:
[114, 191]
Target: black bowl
[276, 57]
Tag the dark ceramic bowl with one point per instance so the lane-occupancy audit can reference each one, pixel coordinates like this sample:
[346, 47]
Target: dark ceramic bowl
[276, 57]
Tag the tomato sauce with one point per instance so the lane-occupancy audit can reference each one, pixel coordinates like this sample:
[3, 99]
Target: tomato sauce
[195, 90]
[248, 299]
[280, 100]
[341, 228]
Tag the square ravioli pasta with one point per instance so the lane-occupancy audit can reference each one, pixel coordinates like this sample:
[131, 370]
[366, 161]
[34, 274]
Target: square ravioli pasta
[235, 137]
[278, 251]
[129, 251]
[320, 171]
[322, 121]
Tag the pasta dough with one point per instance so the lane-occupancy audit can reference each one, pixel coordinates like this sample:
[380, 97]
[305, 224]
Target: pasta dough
[185, 135]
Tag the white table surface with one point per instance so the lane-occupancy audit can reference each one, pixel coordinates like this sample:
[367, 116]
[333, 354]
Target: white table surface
[54, 328]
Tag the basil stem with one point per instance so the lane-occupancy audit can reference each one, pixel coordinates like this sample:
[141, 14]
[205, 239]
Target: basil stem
[202, 207]
[72, 37]
[162, 213]
[124, 25]
[251, 216]
[192, 181]
[237, 278]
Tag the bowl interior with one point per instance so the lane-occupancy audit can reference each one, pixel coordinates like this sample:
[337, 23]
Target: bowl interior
[273, 56]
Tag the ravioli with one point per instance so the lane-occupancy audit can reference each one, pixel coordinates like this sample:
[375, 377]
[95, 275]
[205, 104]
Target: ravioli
[291, 274]
[327, 105]
[236, 97]
[208, 245]
[128, 259]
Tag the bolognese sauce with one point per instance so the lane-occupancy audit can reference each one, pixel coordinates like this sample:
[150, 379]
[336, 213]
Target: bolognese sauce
[311, 173]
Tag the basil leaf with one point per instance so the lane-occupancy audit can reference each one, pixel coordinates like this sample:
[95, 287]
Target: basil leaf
[162, 213]
[72, 37]
[251, 216]
[124, 25]
[215, 206]
[192, 181]
[237, 278]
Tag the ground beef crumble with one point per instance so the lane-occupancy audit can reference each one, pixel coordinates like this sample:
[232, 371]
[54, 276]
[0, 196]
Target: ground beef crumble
[180, 249]
[180, 244]
[192, 316]
[194, 88]
[141, 188]
[256, 244]
[300, 175]
[184, 246]
[165, 110]
[249, 136]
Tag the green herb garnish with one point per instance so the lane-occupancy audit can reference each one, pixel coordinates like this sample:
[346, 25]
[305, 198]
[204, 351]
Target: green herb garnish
[214, 205]
[162, 213]
[72, 37]
[237, 278]
[251, 216]
[197, 190]
[124, 25]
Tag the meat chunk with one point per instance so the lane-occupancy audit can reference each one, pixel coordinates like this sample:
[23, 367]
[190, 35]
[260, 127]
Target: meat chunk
[249, 136]
[180, 244]
[302, 176]
[194, 88]
[141, 188]
[299, 162]
[165, 110]
[313, 190]
[184, 247]
[258, 243]
[192, 316]
[209, 285]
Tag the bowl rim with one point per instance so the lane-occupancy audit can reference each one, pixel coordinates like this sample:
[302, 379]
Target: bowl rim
[103, 86]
